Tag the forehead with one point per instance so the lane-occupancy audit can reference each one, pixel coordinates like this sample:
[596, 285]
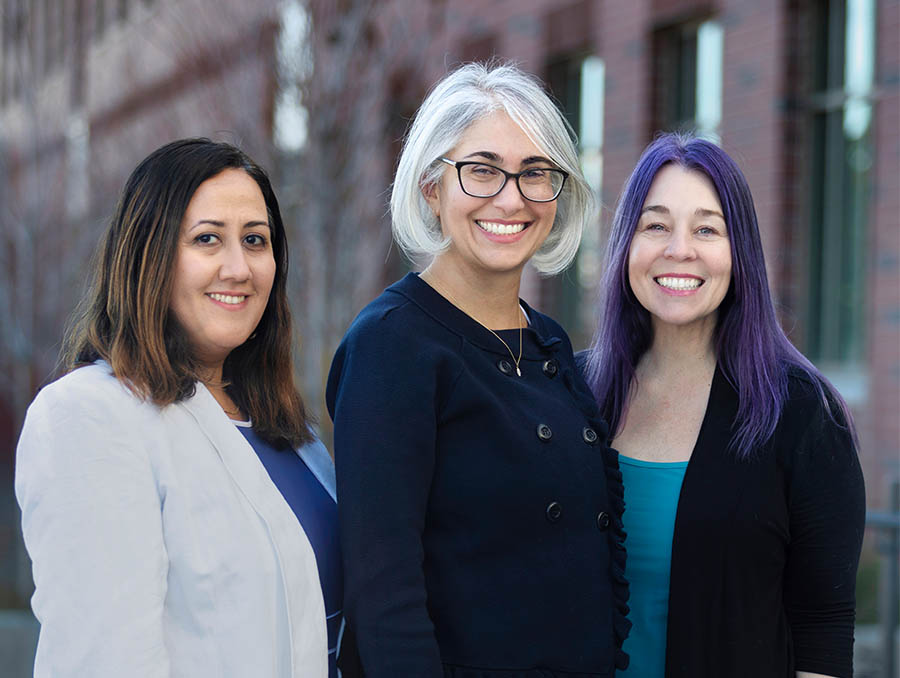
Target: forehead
[499, 134]
[228, 190]
[675, 185]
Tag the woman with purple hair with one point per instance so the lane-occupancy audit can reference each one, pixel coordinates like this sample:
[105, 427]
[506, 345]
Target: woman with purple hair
[744, 497]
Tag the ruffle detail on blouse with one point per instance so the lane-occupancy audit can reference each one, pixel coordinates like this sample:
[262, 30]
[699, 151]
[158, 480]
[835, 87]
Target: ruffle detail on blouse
[615, 491]
[616, 533]
[621, 593]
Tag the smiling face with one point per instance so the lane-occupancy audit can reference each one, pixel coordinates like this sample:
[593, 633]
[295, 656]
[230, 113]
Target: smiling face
[501, 233]
[224, 266]
[679, 264]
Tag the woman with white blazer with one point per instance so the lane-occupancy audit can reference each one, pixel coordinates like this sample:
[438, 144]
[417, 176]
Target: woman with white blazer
[178, 510]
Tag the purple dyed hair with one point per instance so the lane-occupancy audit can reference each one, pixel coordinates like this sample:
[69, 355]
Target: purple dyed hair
[751, 348]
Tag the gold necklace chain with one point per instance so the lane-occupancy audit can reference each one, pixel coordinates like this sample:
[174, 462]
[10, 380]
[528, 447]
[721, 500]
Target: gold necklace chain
[515, 360]
[440, 289]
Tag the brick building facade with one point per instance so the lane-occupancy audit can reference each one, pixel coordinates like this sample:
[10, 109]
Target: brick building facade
[805, 94]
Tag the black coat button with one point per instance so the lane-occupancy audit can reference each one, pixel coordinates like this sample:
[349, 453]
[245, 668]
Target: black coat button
[603, 521]
[554, 511]
[505, 366]
[589, 435]
[551, 367]
[544, 432]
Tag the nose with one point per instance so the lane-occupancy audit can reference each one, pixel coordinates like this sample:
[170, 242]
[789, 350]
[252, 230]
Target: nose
[680, 246]
[234, 263]
[509, 199]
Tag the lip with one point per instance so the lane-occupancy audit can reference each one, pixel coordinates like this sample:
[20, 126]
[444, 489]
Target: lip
[678, 276]
[503, 237]
[229, 306]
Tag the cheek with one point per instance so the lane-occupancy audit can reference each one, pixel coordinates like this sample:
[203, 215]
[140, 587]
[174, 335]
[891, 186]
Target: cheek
[725, 263]
[181, 282]
[633, 263]
[266, 275]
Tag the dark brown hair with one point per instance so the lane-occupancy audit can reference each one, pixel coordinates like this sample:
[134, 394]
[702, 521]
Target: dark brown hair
[125, 317]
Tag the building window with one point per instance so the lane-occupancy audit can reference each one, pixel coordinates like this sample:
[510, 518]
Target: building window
[578, 84]
[99, 18]
[840, 116]
[687, 72]
[294, 54]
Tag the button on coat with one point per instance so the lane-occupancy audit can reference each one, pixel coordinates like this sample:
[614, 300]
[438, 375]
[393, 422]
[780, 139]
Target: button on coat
[554, 511]
[551, 367]
[544, 432]
[603, 521]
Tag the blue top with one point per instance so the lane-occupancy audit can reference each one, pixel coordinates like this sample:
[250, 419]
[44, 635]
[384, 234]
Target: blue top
[317, 513]
[480, 510]
[651, 499]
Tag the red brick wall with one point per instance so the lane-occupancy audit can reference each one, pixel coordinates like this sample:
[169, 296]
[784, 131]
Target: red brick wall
[882, 425]
[751, 119]
[625, 29]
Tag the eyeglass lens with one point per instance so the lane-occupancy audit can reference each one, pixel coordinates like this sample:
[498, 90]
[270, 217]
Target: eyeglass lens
[535, 184]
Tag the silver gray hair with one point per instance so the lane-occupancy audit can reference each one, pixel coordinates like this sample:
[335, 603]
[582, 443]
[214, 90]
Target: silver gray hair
[466, 95]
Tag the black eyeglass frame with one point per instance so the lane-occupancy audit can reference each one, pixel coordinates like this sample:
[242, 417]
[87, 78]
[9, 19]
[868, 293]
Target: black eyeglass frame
[459, 164]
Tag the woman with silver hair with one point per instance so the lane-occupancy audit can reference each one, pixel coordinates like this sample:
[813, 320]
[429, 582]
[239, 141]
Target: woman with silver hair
[480, 508]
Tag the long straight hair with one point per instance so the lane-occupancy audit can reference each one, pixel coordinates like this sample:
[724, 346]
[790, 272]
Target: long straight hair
[752, 350]
[125, 317]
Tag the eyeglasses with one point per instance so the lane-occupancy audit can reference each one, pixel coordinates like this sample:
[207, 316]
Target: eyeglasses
[537, 184]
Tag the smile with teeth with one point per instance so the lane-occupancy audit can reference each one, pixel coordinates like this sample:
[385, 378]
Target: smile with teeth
[227, 298]
[679, 283]
[501, 229]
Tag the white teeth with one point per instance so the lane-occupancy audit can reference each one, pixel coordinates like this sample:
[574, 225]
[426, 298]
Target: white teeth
[679, 283]
[501, 229]
[227, 298]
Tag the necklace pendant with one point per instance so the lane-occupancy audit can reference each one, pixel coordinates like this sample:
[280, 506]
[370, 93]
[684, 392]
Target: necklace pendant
[518, 371]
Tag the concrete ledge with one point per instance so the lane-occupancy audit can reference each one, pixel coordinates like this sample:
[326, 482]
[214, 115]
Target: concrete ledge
[18, 642]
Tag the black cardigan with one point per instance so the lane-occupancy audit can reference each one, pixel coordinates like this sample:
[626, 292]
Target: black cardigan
[765, 550]
[480, 511]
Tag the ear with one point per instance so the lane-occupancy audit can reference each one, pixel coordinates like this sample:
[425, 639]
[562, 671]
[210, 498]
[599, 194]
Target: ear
[431, 193]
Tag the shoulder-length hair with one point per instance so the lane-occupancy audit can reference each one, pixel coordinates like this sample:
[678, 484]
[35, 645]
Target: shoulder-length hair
[466, 95]
[751, 348]
[125, 317]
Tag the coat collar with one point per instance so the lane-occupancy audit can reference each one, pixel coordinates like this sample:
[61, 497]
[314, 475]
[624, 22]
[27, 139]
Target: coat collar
[538, 339]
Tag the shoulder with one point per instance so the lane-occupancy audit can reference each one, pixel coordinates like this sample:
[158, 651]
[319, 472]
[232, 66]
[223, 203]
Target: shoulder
[405, 320]
[812, 404]
[89, 390]
[389, 312]
[87, 418]
[813, 427]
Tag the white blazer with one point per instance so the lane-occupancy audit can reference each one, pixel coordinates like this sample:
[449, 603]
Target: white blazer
[160, 545]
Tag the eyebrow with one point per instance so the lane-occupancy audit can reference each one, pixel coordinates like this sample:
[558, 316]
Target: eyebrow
[699, 212]
[703, 212]
[493, 157]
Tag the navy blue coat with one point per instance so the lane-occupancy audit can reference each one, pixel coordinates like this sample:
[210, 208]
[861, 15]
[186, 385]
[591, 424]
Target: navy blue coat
[480, 511]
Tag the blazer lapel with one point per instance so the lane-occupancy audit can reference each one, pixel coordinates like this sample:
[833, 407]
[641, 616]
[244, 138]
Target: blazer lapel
[305, 605]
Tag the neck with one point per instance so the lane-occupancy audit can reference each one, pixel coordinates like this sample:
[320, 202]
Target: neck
[490, 298]
[677, 350]
[211, 376]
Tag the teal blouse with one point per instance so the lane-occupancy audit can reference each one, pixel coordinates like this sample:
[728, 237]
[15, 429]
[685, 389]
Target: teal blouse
[651, 500]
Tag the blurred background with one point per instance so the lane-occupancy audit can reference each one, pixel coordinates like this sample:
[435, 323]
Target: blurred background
[805, 94]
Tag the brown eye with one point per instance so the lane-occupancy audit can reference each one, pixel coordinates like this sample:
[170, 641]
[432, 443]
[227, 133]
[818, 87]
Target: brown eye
[255, 240]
